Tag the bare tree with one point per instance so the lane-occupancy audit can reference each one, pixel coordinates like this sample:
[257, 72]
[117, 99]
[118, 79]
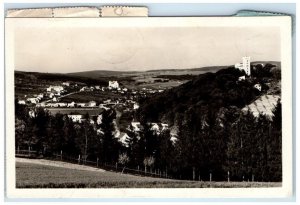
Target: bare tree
[149, 161]
[123, 159]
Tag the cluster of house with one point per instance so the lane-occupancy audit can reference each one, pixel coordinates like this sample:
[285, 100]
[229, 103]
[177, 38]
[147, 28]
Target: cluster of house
[112, 86]
[155, 127]
[68, 105]
[95, 118]
[106, 104]
[33, 100]
[136, 127]
[55, 91]
[246, 66]
[78, 115]
[52, 92]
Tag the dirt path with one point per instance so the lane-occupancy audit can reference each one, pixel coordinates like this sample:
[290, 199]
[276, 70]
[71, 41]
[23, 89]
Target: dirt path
[58, 164]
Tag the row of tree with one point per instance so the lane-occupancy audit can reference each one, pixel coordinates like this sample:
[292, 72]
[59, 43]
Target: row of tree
[48, 134]
[226, 145]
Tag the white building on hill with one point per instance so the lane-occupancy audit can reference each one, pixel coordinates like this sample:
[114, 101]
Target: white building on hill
[113, 84]
[245, 65]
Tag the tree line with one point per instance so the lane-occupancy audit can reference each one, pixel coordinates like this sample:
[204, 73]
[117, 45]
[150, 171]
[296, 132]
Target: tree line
[228, 144]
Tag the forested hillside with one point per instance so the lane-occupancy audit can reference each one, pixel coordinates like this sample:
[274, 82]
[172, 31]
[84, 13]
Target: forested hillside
[214, 138]
[210, 90]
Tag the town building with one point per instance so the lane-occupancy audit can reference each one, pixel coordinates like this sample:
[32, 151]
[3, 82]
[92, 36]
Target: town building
[99, 119]
[123, 138]
[43, 104]
[136, 106]
[51, 95]
[76, 117]
[113, 84]
[32, 100]
[77, 114]
[155, 127]
[21, 102]
[31, 113]
[83, 88]
[91, 104]
[242, 78]
[41, 96]
[136, 126]
[164, 126]
[107, 101]
[56, 88]
[81, 104]
[62, 104]
[103, 106]
[158, 128]
[72, 104]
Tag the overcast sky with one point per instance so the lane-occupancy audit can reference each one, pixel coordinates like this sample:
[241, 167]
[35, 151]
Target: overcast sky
[65, 50]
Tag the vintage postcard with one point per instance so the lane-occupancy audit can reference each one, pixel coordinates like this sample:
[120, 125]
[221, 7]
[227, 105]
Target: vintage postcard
[118, 107]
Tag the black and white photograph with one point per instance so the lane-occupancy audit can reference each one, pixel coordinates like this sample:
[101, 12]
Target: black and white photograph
[122, 103]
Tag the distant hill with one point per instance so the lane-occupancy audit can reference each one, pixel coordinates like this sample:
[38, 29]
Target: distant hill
[101, 73]
[96, 74]
[208, 69]
[36, 76]
[108, 73]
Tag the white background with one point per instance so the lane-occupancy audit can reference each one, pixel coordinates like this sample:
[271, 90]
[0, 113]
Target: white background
[157, 10]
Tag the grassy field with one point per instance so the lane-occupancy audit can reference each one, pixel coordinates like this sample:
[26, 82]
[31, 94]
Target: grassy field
[30, 175]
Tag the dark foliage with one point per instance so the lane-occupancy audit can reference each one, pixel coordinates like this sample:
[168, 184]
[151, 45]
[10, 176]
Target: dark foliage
[213, 90]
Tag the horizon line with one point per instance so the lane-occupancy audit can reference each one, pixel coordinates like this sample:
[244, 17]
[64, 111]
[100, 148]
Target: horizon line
[133, 71]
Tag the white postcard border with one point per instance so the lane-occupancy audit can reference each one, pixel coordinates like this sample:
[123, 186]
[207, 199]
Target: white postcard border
[286, 53]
